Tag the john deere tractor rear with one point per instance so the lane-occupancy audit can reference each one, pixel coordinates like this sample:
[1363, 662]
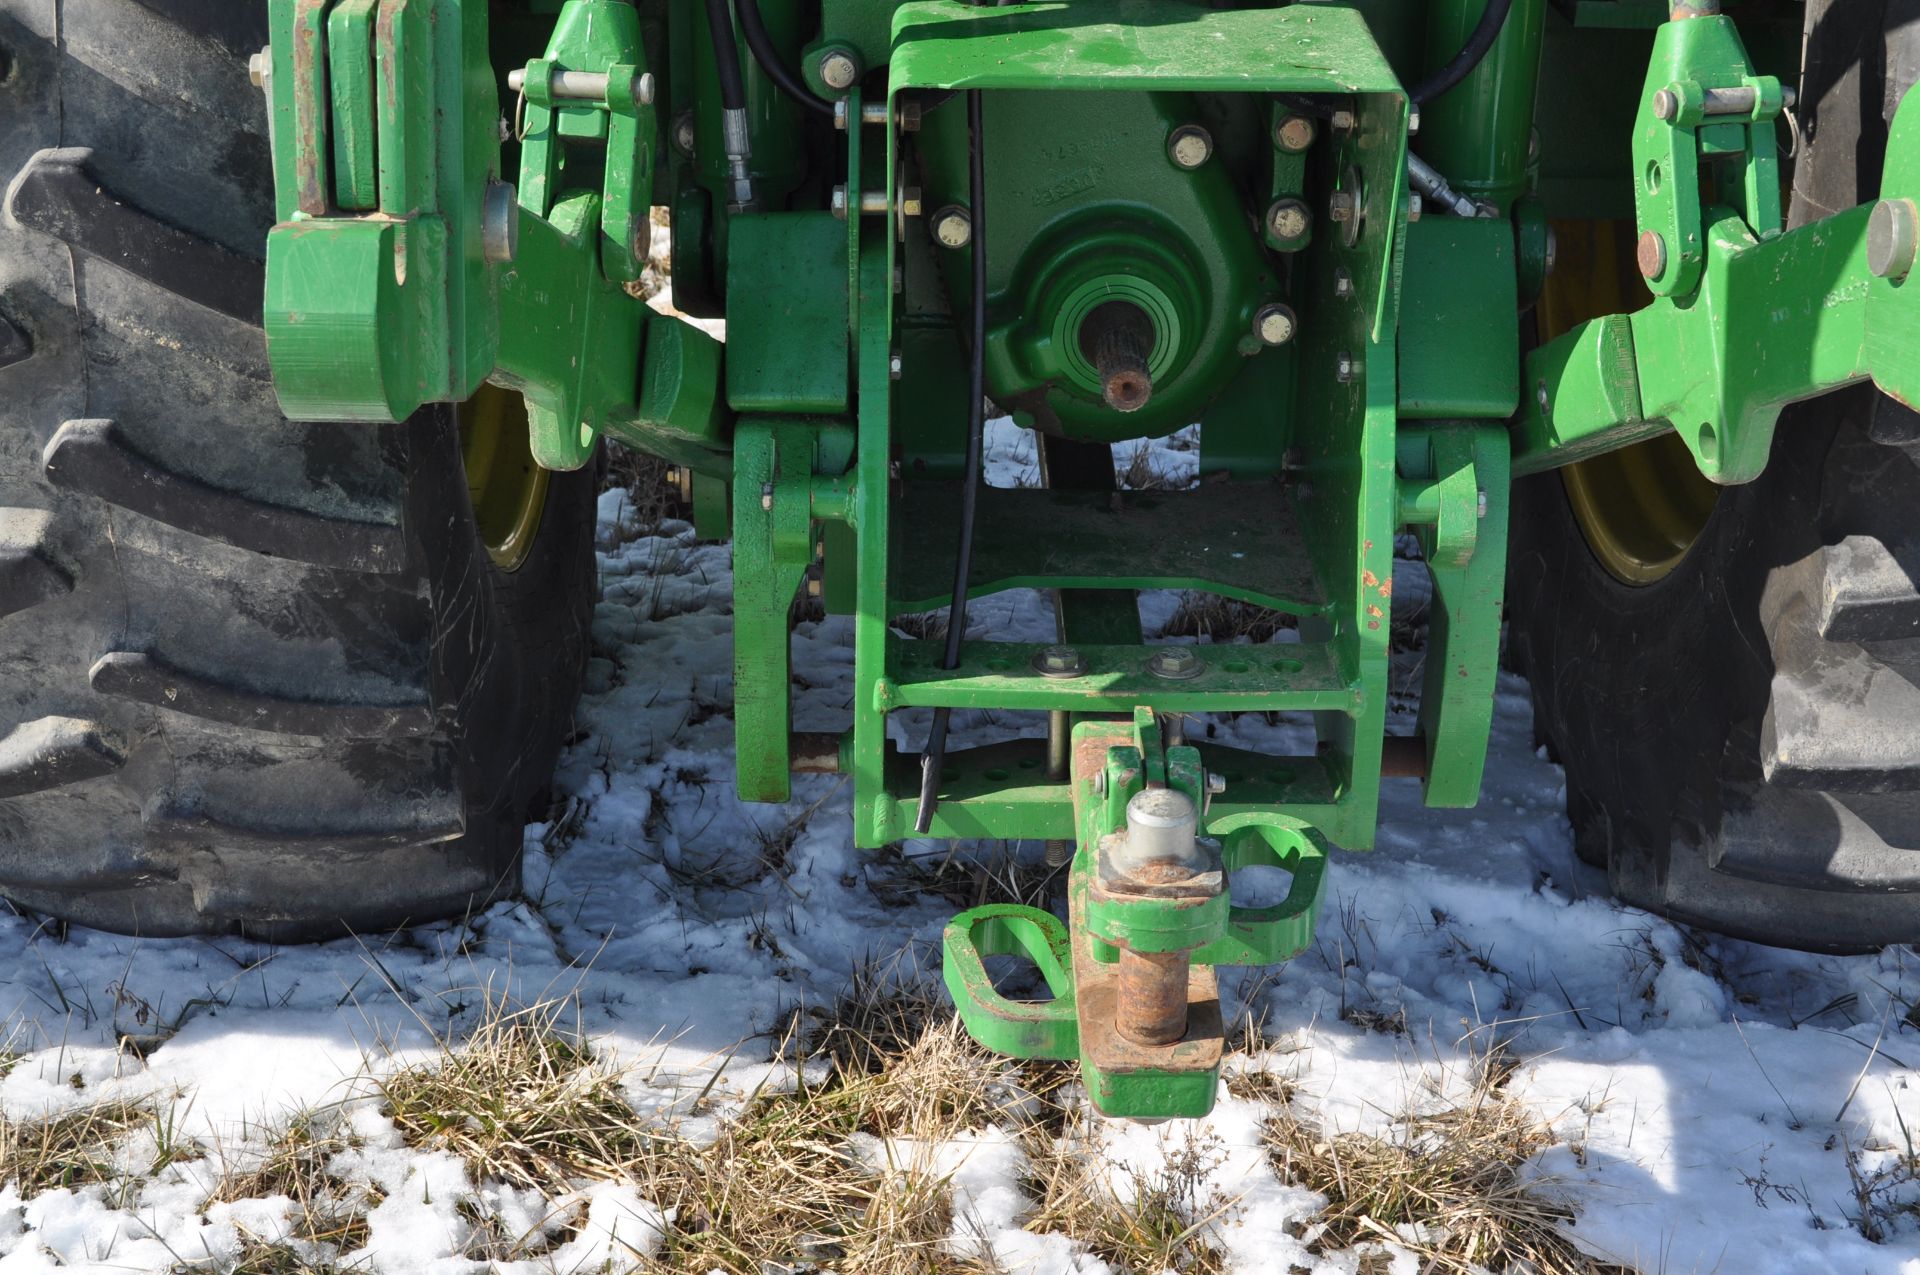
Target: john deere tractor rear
[1390, 255]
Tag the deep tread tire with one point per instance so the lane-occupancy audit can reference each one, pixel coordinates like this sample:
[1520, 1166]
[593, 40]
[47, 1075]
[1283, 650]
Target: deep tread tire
[1742, 737]
[255, 675]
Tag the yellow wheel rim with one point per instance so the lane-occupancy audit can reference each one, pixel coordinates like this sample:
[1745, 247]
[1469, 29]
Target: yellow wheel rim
[1640, 509]
[508, 489]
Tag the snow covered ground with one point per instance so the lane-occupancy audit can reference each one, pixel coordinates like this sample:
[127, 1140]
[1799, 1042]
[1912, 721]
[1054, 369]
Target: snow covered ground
[1717, 1104]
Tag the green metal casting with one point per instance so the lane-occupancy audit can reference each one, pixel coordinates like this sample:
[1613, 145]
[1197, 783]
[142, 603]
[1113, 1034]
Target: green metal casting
[1215, 197]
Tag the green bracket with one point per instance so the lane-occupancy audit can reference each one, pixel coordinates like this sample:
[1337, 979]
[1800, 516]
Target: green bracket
[773, 465]
[1698, 72]
[1459, 510]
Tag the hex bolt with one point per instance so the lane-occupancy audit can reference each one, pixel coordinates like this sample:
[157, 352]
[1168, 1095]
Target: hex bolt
[1294, 133]
[1176, 663]
[1288, 220]
[910, 201]
[1274, 323]
[838, 202]
[499, 223]
[1893, 231]
[1341, 206]
[838, 70]
[1342, 282]
[259, 66]
[1058, 661]
[1189, 146]
[952, 227]
[893, 366]
[683, 133]
[1413, 120]
[1346, 368]
[840, 114]
[1344, 122]
[1651, 255]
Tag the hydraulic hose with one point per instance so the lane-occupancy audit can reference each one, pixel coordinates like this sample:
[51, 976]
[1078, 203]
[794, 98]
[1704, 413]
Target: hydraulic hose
[754, 28]
[1448, 77]
[733, 105]
[932, 760]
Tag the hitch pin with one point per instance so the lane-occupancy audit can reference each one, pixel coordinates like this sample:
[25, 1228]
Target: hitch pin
[584, 86]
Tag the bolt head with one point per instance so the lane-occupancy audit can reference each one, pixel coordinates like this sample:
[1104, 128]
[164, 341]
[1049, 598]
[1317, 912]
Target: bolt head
[1288, 220]
[1414, 208]
[838, 202]
[1341, 205]
[1413, 120]
[1176, 663]
[1294, 134]
[683, 134]
[894, 365]
[1540, 395]
[1480, 508]
[1274, 323]
[1344, 121]
[1189, 146]
[952, 227]
[910, 201]
[1346, 368]
[258, 67]
[1058, 661]
[1665, 105]
[838, 69]
[1651, 255]
[643, 88]
[1216, 783]
[1893, 233]
[1342, 282]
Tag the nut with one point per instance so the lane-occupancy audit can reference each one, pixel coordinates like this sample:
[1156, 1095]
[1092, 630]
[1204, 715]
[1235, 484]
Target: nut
[1176, 663]
[1274, 323]
[838, 202]
[1346, 368]
[1342, 282]
[1341, 206]
[683, 133]
[952, 227]
[1058, 661]
[838, 70]
[1344, 122]
[1189, 146]
[910, 201]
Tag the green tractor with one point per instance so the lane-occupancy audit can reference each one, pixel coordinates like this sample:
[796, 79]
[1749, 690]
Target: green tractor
[316, 318]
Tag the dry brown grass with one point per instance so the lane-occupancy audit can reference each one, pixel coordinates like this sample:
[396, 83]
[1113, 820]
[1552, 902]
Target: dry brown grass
[1446, 1185]
[522, 1099]
[328, 1209]
[1222, 620]
[83, 1146]
[1158, 1225]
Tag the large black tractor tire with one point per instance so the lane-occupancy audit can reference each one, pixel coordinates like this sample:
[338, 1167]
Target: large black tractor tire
[256, 676]
[1741, 738]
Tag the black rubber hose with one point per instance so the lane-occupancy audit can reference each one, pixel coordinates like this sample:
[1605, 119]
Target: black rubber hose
[1448, 77]
[784, 78]
[932, 760]
[726, 56]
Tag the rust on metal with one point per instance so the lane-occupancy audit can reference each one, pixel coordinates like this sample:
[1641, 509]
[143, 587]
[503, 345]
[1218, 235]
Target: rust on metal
[310, 106]
[1151, 1008]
